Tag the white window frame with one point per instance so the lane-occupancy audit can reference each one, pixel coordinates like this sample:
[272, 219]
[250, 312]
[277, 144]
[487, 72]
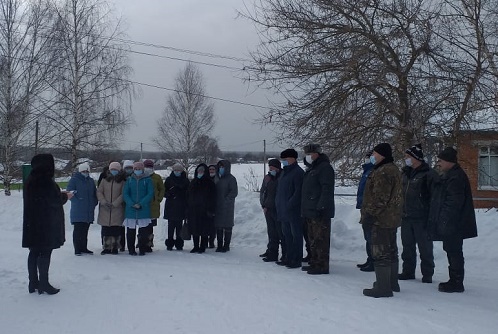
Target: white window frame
[489, 156]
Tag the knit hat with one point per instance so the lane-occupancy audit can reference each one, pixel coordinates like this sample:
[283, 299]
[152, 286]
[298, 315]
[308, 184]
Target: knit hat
[416, 152]
[275, 163]
[138, 165]
[148, 163]
[448, 154]
[127, 163]
[84, 167]
[384, 149]
[288, 153]
[115, 165]
[312, 148]
[178, 167]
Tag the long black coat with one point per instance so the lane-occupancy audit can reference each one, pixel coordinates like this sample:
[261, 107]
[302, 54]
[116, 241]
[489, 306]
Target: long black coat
[317, 198]
[43, 213]
[201, 203]
[175, 192]
[226, 192]
[452, 211]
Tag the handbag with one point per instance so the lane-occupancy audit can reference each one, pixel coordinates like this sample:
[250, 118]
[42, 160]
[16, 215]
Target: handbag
[185, 233]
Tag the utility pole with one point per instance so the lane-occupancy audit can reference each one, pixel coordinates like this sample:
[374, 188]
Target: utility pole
[36, 137]
[264, 157]
[141, 151]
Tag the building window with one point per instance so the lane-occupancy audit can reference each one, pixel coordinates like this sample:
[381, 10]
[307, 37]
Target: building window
[488, 167]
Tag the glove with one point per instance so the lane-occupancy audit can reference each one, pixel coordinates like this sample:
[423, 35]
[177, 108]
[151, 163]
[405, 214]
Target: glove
[137, 206]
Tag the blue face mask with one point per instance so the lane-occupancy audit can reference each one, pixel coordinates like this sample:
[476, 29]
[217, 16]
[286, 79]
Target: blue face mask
[85, 174]
[138, 172]
[114, 172]
[273, 173]
[285, 163]
[199, 176]
[372, 159]
[221, 171]
[177, 174]
[129, 171]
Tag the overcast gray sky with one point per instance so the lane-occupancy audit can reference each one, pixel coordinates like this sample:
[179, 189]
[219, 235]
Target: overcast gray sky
[207, 26]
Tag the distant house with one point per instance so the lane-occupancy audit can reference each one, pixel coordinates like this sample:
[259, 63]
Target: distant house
[478, 156]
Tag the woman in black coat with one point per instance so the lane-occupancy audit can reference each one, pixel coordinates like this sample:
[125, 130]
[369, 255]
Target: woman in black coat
[43, 221]
[201, 208]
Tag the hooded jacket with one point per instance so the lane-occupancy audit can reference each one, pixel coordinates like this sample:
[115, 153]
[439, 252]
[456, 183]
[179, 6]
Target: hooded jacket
[43, 213]
[226, 192]
[201, 203]
[138, 189]
[176, 196]
[84, 200]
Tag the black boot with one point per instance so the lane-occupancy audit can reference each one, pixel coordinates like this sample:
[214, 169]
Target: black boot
[179, 243]
[211, 241]
[369, 267]
[32, 271]
[219, 238]
[122, 239]
[130, 240]
[204, 244]
[142, 243]
[382, 286]
[455, 283]
[195, 241]
[228, 238]
[44, 286]
[170, 243]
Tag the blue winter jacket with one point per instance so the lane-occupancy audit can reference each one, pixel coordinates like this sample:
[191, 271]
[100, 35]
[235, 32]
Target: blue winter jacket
[138, 189]
[84, 200]
[288, 198]
[367, 169]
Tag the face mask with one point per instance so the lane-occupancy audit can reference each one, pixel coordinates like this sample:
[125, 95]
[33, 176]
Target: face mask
[309, 159]
[85, 174]
[212, 174]
[177, 174]
[199, 176]
[372, 160]
[285, 163]
[273, 172]
[148, 170]
[114, 172]
[128, 171]
[138, 172]
[408, 162]
[221, 171]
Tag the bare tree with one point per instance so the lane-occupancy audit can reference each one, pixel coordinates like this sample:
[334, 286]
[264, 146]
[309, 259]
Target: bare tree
[25, 51]
[187, 117]
[92, 97]
[207, 149]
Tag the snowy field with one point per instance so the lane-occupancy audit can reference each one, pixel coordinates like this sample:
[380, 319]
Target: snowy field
[236, 292]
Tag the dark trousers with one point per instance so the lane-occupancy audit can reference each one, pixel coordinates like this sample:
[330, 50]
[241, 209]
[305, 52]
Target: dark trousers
[142, 238]
[384, 246]
[275, 235]
[122, 240]
[367, 234]
[38, 261]
[80, 236]
[453, 246]
[293, 237]
[174, 228]
[414, 234]
[319, 236]
[224, 236]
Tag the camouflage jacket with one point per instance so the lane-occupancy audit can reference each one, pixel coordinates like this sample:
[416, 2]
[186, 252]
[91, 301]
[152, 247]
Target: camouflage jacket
[382, 199]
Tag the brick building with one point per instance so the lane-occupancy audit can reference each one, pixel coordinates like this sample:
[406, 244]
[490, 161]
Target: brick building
[478, 156]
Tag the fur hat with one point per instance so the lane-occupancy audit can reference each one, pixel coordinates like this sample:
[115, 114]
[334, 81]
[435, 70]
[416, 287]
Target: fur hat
[127, 163]
[312, 148]
[288, 153]
[115, 165]
[84, 167]
[384, 149]
[148, 163]
[138, 165]
[275, 163]
[448, 154]
[416, 152]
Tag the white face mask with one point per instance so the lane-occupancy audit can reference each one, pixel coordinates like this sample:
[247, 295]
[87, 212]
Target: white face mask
[408, 162]
[309, 159]
[148, 170]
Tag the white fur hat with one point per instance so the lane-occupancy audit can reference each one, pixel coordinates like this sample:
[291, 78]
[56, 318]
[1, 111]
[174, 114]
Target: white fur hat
[84, 167]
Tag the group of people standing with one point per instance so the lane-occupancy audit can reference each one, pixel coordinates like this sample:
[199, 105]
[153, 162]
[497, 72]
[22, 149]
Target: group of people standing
[128, 199]
[429, 205]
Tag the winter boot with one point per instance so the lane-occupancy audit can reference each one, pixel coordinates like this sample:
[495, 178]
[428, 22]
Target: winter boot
[169, 244]
[142, 243]
[130, 240]
[195, 240]
[382, 287]
[32, 273]
[394, 276]
[369, 267]
[179, 243]
[204, 244]
[107, 245]
[219, 237]
[211, 241]
[455, 283]
[361, 265]
[406, 276]
[228, 238]
[150, 243]
[44, 286]
[122, 239]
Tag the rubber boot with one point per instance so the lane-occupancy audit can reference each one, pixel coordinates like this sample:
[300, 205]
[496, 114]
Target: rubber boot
[44, 285]
[382, 287]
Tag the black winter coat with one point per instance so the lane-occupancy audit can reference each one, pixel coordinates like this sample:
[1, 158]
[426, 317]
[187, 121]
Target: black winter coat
[268, 191]
[452, 210]
[317, 199]
[418, 186]
[43, 213]
[288, 199]
[175, 188]
[201, 203]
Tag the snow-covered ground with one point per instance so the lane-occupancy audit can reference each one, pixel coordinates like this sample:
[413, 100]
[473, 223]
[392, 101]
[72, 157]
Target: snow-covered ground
[236, 292]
